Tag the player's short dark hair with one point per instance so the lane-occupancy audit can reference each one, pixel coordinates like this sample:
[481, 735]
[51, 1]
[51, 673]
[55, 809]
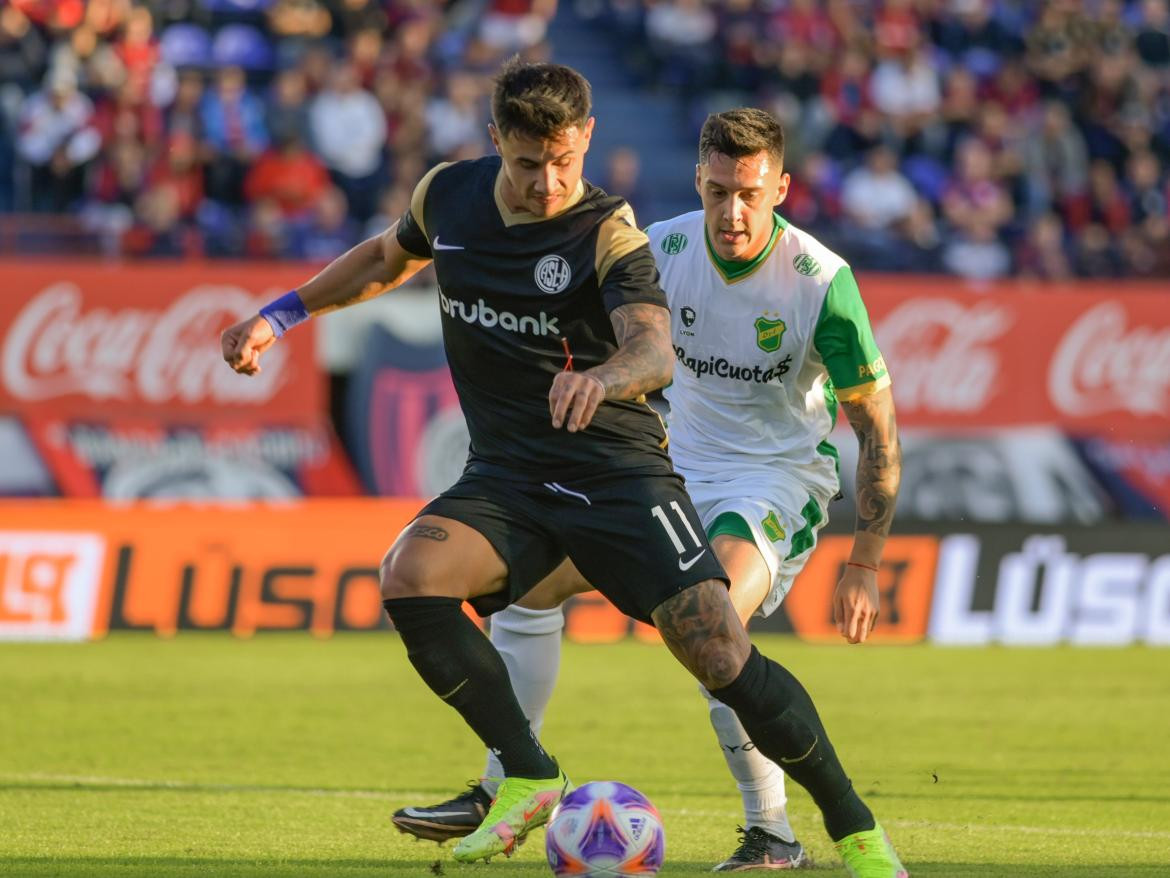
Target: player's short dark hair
[741, 132]
[539, 100]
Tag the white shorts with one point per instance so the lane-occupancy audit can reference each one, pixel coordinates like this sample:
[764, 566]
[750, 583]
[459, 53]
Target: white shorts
[783, 514]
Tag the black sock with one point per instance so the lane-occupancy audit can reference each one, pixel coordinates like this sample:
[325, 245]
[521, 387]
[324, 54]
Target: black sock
[779, 715]
[462, 667]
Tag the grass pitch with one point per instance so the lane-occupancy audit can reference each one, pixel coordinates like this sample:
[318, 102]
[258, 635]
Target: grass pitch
[283, 756]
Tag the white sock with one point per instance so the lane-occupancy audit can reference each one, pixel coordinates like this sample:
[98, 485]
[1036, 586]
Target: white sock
[760, 780]
[530, 643]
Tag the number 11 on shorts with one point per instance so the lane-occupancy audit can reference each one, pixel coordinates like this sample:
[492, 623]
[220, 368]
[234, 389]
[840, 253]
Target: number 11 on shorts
[659, 513]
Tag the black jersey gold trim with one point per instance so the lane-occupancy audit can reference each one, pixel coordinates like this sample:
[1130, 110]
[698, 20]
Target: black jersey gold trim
[511, 295]
[618, 236]
[418, 197]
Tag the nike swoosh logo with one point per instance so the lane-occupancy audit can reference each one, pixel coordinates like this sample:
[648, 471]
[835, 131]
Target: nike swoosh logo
[435, 245]
[687, 565]
[414, 812]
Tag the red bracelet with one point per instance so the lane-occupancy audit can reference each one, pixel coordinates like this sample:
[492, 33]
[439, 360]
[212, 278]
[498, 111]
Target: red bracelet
[862, 566]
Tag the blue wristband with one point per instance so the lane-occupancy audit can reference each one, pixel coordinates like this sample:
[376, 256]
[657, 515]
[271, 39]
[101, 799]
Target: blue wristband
[285, 313]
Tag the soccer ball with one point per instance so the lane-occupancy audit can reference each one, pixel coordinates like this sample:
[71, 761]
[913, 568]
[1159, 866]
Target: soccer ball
[605, 829]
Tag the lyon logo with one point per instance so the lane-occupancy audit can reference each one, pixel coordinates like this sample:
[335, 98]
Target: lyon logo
[553, 274]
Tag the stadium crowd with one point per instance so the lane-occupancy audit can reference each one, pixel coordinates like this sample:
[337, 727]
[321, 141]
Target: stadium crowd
[977, 137]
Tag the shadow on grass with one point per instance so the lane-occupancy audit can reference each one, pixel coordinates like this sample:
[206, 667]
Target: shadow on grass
[165, 867]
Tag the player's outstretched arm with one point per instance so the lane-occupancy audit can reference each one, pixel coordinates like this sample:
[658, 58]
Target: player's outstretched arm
[879, 473]
[643, 362]
[373, 267]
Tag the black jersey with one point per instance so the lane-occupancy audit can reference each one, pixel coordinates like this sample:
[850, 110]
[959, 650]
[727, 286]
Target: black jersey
[513, 289]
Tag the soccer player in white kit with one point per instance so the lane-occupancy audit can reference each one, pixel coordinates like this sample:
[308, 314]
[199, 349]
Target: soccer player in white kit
[771, 338]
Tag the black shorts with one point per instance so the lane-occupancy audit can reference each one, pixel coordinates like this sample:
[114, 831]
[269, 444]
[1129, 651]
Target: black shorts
[635, 537]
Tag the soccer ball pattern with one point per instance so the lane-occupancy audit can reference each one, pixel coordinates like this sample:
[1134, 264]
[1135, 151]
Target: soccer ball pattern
[605, 829]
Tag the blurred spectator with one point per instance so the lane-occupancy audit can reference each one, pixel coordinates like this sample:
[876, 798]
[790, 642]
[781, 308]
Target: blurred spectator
[185, 114]
[1056, 159]
[682, 39]
[1042, 254]
[976, 253]
[1147, 189]
[289, 176]
[876, 196]
[129, 113]
[287, 113]
[804, 23]
[510, 26]
[58, 141]
[349, 131]
[1152, 40]
[327, 233]
[158, 230]
[976, 203]
[906, 89]
[365, 52]
[267, 236]
[455, 118]
[853, 123]
[120, 177]
[1107, 203]
[405, 60]
[233, 126]
[1058, 47]
[22, 49]
[299, 19]
[1096, 252]
[974, 37]
[391, 206]
[623, 177]
[959, 109]
[351, 17]
[180, 170]
[138, 49]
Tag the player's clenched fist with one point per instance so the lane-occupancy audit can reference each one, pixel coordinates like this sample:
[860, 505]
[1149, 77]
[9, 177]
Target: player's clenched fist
[243, 344]
[574, 399]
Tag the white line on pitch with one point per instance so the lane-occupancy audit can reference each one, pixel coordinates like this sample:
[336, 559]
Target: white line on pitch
[399, 795]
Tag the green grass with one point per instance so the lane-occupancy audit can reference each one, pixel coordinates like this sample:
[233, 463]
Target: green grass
[283, 756]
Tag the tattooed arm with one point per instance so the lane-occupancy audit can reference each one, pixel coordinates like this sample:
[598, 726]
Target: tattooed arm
[643, 362]
[879, 472]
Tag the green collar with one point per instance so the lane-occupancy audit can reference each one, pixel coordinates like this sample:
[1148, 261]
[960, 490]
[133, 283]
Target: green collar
[737, 270]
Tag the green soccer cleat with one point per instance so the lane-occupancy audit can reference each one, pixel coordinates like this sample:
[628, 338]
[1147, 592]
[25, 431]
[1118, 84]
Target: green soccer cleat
[870, 855]
[521, 805]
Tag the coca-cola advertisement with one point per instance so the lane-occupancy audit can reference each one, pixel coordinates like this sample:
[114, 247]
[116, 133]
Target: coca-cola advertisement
[1087, 358]
[80, 340]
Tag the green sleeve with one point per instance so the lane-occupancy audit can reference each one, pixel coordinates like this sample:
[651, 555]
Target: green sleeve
[844, 339]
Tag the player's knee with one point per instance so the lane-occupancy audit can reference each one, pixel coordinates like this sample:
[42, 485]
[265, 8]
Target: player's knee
[719, 661]
[701, 628]
[401, 577]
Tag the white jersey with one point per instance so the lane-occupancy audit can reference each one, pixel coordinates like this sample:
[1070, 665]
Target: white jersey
[765, 349]
[763, 355]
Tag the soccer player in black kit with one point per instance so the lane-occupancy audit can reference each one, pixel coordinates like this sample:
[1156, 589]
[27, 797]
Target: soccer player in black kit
[554, 327]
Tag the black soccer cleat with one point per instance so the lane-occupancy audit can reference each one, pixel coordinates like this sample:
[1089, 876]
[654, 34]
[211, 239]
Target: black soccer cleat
[454, 818]
[759, 849]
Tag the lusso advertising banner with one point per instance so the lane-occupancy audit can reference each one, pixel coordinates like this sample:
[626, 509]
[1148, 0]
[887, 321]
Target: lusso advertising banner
[81, 569]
